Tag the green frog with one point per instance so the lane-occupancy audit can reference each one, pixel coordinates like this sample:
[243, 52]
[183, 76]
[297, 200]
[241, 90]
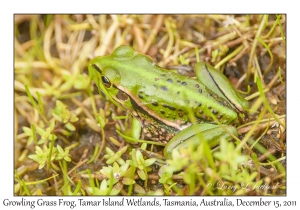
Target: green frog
[164, 101]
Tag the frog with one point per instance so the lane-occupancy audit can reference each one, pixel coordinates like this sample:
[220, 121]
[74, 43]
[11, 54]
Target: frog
[163, 101]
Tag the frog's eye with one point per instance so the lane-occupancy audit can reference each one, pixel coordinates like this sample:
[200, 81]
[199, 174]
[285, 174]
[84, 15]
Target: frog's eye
[105, 81]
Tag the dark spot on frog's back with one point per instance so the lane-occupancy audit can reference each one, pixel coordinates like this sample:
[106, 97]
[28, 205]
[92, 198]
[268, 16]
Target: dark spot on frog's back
[155, 103]
[169, 107]
[164, 88]
[169, 80]
[184, 83]
[140, 96]
[214, 111]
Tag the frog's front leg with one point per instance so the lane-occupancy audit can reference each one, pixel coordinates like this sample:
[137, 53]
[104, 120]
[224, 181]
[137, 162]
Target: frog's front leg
[211, 133]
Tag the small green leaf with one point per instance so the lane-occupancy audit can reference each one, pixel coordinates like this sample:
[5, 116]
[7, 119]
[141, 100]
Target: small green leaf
[150, 161]
[68, 159]
[128, 181]
[40, 131]
[103, 185]
[133, 155]
[27, 131]
[112, 159]
[116, 189]
[141, 174]
[42, 164]
[106, 171]
[70, 127]
[109, 151]
[144, 146]
[38, 150]
[73, 118]
[140, 159]
[116, 167]
[60, 149]
[124, 168]
[34, 157]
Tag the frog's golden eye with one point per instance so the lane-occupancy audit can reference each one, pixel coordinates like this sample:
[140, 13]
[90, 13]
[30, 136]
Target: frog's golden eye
[105, 81]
